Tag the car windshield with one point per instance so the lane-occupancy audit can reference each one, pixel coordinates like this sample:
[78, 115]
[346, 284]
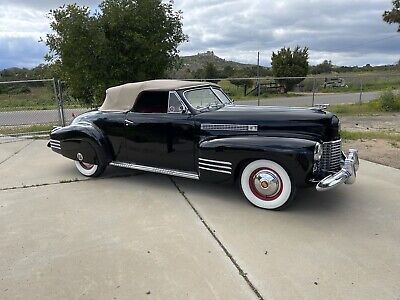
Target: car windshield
[203, 99]
[221, 95]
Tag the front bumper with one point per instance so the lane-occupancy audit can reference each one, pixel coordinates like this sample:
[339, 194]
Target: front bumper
[346, 175]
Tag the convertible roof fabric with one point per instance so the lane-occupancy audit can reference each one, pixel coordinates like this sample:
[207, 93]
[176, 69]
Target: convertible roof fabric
[123, 97]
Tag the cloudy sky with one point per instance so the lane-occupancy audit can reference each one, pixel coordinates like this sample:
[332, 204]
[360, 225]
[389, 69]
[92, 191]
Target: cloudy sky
[348, 32]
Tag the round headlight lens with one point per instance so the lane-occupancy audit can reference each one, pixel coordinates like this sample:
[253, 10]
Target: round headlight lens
[317, 151]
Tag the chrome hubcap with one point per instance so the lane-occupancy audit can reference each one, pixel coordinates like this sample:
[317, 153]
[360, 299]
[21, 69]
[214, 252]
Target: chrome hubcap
[79, 156]
[267, 183]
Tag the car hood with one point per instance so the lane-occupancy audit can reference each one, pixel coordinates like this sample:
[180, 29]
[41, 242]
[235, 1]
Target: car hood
[308, 123]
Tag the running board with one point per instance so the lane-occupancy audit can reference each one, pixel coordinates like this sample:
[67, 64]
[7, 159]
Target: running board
[172, 172]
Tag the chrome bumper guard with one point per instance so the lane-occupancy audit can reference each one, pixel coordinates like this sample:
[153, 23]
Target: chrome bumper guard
[346, 175]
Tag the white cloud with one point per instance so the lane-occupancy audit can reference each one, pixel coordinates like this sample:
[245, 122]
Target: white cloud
[347, 32]
[22, 22]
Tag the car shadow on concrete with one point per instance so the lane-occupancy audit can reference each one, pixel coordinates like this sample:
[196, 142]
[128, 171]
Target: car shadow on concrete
[307, 201]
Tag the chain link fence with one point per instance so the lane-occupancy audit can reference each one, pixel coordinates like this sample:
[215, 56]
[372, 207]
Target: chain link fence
[36, 106]
[308, 91]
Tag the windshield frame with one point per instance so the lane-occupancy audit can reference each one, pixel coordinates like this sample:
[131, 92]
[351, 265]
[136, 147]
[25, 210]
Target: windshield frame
[212, 88]
[230, 101]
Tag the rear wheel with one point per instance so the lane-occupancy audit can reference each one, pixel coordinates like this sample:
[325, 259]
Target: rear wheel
[89, 170]
[266, 184]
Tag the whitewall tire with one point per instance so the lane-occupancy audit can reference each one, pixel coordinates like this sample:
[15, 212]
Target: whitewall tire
[266, 184]
[85, 168]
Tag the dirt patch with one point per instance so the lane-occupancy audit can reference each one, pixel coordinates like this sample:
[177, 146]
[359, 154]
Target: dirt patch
[379, 151]
[376, 150]
[387, 122]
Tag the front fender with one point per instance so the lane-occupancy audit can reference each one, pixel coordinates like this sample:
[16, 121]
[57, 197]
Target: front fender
[85, 138]
[295, 155]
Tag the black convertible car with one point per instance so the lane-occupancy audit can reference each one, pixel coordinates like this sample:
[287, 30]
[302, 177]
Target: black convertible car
[193, 130]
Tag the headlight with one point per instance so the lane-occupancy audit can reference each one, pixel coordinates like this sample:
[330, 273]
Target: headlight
[317, 151]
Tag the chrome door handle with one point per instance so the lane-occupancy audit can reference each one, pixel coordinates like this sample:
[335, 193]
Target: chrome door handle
[129, 123]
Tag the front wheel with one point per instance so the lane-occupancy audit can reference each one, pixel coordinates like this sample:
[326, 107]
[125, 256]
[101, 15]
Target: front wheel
[266, 184]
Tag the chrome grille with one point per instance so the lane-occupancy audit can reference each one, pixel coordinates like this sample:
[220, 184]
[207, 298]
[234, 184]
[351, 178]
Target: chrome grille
[331, 156]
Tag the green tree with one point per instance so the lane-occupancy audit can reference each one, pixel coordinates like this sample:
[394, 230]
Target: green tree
[210, 71]
[125, 41]
[393, 16]
[288, 63]
[228, 71]
[324, 67]
[198, 74]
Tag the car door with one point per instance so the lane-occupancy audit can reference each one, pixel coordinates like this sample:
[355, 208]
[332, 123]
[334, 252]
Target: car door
[159, 132]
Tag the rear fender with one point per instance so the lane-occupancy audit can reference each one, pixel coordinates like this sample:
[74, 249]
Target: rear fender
[85, 138]
[295, 155]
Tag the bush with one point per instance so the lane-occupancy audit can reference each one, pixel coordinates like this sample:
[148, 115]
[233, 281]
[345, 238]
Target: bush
[15, 89]
[389, 101]
[22, 90]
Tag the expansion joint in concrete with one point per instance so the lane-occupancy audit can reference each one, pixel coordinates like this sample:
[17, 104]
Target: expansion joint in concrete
[16, 152]
[223, 247]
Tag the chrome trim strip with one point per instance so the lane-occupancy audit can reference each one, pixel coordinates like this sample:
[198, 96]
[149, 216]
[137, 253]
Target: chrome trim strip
[155, 170]
[196, 87]
[216, 161]
[321, 106]
[229, 127]
[127, 122]
[214, 170]
[55, 147]
[215, 166]
[84, 123]
[55, 141]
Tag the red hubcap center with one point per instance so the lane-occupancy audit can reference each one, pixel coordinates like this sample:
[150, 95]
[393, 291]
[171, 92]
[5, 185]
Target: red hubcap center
[86, 166]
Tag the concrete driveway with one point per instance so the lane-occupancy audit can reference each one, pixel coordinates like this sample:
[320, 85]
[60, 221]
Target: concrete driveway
[131, 235]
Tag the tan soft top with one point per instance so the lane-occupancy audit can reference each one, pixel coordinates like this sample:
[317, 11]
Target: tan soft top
[123, 97]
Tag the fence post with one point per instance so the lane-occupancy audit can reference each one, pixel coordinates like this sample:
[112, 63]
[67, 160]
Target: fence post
[361, 90]
[313, 93]
[61, 102]
[258, 78]
[57, 101]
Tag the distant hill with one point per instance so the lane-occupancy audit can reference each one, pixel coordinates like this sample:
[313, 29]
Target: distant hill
[189, 65]
[198, 61]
